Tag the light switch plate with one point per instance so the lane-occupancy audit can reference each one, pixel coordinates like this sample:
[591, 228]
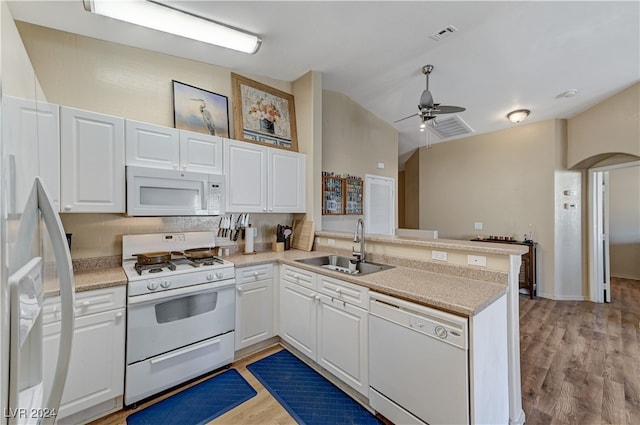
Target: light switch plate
[477, 225]
[439, 255]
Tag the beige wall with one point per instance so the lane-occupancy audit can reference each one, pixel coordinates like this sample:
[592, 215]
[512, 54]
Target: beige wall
[624, 222]
[610, 127]
[412, 187]
[509, 181]
[114, 79]
[353, 142]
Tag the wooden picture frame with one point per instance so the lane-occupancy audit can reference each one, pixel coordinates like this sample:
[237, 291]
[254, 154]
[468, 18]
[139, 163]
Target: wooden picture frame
[200, 110]
[263, 114]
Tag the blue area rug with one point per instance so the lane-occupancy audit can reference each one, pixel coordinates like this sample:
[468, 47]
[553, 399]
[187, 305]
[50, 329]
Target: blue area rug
[307, 396]
[199, 404]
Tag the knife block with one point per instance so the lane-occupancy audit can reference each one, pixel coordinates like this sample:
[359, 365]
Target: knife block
[277, 246]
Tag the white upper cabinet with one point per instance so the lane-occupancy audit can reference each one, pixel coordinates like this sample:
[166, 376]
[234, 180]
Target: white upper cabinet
[246, 176]
[152, 145]
[31, 133]
[286, 177]
[263, 179]
[201, 152]
[156, 146]
[92, 174]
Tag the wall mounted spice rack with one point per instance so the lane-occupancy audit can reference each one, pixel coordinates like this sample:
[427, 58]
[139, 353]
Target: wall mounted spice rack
[341, 195]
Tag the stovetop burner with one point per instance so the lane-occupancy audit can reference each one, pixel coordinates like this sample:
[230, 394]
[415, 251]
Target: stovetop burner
[154, 268]
[171, 265]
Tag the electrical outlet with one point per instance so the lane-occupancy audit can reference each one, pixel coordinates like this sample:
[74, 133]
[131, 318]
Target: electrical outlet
[439, 255]
[477, 225]
[477, 260]
[331, 242]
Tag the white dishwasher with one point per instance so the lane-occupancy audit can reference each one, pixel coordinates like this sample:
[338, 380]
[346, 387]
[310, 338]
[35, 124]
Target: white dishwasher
[418, 363]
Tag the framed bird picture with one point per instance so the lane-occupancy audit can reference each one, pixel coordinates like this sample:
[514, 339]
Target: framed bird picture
[263, 114]
[200, 110]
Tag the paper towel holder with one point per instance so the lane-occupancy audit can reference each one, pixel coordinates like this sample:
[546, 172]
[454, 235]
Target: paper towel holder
[248, 241]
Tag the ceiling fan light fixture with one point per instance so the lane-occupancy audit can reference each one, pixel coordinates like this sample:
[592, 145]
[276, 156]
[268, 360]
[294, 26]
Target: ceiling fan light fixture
[518, 115]
[160, 17]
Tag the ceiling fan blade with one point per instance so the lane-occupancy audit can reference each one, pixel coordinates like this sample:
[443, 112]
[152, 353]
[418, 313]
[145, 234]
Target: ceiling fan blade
[446, 109]
[402, 119]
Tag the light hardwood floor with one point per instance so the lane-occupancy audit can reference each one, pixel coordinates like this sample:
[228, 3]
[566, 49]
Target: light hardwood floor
[580, 364]
[580, 361]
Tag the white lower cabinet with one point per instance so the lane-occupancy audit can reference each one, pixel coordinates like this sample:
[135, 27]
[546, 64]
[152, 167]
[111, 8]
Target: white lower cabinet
[322, 320]
[95, 380]
[254, 305]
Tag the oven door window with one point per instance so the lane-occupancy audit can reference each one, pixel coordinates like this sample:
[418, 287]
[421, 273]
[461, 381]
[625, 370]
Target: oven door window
[185, 307]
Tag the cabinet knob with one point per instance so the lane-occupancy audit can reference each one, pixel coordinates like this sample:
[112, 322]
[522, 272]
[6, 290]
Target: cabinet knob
[317, 298]
[338, 290]
[256, 274]
[264, 209]
[67, 207]
[119, 315]
[174, 166]
[270, 209]
[86, 304]
[239, 290]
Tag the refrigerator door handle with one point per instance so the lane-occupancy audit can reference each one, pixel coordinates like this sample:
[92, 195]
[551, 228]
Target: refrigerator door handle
[67, 294]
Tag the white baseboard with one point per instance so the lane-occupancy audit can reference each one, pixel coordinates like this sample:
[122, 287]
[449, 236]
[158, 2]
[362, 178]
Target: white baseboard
[563, 297]
[623, 276]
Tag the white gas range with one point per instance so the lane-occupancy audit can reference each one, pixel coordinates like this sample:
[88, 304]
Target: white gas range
[181, 311]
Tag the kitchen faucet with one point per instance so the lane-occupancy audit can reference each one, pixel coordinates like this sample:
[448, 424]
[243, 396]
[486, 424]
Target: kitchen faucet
[358, 236]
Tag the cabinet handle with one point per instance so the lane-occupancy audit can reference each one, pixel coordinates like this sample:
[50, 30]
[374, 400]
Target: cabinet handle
[270, 209]
[239, 290]
[86, 304]
[295, 276]
[67, 207]
[264, 209]
[338, 290]
[256, 274]
[175, 166]
[317, 297]
[119, 315]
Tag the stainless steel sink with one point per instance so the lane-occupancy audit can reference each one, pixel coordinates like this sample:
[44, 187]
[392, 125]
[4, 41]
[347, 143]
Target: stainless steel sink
[342, 264]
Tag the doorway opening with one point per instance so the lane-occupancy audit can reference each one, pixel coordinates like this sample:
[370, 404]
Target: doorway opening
[599, 231]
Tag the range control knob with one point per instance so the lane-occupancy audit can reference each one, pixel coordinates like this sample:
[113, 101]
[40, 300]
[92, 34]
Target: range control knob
[152, 285]
[219, 275]
[210, 277]
[165, 283]
[441, 332]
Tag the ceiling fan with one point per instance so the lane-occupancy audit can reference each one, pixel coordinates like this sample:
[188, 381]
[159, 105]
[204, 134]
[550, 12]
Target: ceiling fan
[427, 110]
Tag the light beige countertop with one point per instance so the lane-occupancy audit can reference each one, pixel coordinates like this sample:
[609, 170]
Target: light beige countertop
[459, 295]
[88, 280]
[453, 244]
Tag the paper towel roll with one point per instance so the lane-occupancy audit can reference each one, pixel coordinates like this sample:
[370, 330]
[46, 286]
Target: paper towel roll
[248, 240]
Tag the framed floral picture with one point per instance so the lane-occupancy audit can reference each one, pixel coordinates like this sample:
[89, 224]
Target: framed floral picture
[200, 110]
[263, 114]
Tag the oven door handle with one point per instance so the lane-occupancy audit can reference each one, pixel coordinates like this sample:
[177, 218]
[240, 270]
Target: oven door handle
[185, 351]
[172, 293]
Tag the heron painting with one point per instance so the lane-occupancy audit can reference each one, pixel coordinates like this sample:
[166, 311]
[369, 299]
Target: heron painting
[199, 110]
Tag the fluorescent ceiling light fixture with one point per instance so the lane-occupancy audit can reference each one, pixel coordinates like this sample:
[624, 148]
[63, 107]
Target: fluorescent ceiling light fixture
[518, 115]
[163, 18]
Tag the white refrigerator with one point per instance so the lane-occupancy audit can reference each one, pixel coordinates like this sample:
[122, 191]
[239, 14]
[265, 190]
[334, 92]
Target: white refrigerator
[33, 253]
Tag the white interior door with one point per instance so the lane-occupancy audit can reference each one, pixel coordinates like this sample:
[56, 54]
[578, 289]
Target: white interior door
[379, 205]
[599, 236]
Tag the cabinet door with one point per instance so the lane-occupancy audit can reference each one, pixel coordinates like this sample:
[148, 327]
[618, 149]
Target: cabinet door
[246, 176]
[286, 180]
[152, 145]
[31, 132]
[254, 313]
[343, 342]
[92, 162]
[96, 367]
[298, 317]
[200, 152]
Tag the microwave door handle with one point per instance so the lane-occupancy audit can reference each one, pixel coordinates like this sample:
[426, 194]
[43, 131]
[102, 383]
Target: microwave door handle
[205, 196]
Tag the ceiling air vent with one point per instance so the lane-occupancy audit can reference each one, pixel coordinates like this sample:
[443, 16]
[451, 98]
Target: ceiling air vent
[451, 126]
[443, 33]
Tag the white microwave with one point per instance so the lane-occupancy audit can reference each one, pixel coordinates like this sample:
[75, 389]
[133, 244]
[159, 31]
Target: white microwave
[161, 192]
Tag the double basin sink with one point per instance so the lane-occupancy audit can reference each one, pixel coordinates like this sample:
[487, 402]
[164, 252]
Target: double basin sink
[345, 265]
